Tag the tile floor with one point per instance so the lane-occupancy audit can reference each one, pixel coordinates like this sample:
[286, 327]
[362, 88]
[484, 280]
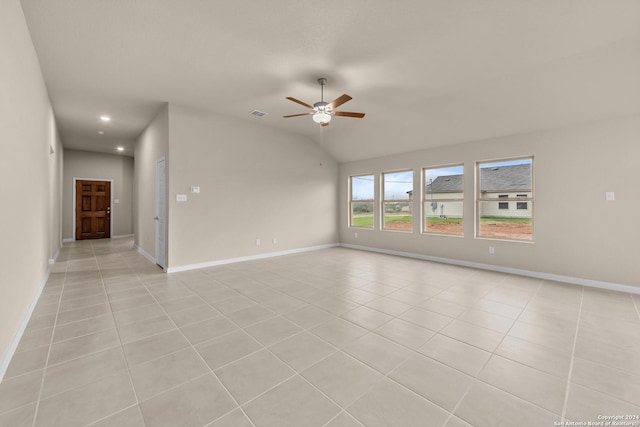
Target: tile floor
[335, 338]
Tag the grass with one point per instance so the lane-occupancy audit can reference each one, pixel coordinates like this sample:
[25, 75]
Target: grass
[437, 220]
[405, 219]
[362, 221]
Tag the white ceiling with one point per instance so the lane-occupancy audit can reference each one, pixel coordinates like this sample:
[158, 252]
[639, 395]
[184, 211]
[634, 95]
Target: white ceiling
[426, 72]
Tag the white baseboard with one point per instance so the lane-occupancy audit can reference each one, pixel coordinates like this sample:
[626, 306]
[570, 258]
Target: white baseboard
[144, 253]
[6, 359]
[123, 236]
[68, 240]
[538, 275]
[249, 258]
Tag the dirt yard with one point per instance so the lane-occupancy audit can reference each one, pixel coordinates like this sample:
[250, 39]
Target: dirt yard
[502, 230]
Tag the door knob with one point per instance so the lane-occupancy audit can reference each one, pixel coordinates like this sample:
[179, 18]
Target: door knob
[156, 218]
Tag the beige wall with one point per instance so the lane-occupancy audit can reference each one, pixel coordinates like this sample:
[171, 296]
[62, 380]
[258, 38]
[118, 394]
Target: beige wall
[152, 145]
[87, 165]
[576, 232]
[30, 175]
[255, 182]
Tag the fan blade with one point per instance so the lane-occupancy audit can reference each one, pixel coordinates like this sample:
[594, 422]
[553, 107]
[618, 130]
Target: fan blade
[297, 115]
[300, 102]
[339, 101]
[348, 114]
[324, 124]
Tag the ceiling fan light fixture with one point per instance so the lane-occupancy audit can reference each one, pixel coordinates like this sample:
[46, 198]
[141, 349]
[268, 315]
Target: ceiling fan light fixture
[321, 117]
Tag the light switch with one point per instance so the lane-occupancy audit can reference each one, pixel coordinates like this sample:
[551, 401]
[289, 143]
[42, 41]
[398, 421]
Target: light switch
[610, 196]
[116, 201]
[181, 197]
[195, 189]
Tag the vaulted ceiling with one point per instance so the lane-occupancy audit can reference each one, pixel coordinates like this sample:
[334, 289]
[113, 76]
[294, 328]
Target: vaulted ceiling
[426, 72]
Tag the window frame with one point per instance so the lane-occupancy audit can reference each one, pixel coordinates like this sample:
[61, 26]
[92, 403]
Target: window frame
[383, 201]
[518, 197]
[425, 200]
[372, 201]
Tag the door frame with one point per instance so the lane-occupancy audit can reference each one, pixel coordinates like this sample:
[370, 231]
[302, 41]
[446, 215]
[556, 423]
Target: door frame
[161, 198]
[73, 202]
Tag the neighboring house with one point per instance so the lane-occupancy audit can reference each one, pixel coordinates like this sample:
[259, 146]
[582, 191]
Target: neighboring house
[505, 182]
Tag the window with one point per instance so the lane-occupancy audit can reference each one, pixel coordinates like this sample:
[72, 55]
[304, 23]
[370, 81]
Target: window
[443, 200]
[397, 203]
[361, 189]
[500, 183]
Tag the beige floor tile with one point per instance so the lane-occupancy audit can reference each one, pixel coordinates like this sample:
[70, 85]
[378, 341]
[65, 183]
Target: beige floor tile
[486, 406]
[232, 304]
[72, 304]
[389, 306]
[138, 314]
[78, 372]
[560, 340]
[537, 387]
[455, 354]
[153, 347]
[476, 336]
[83, 313]
[308, 316]
[130, 417]
[250, 315]
[227, 348]
[27, 361]
[360, 296]
[562, 320]
[180, 304]
[77, 347]
[342, 378]
[607, 354]
[19, 391]
[159, 375]
[487, 320]
[193, 315]
[546, 359]
[251, 376]
[272, 330]
[34, 338]
[195, 403]
[208, 329]
[336, 305]
[444, 307]
[407, 297]
[426, 319]
[235, 418]
[604, 379]
[83, 327]
[284, 304]
[344, 420]
[88, 403]
[389, 404]
[338, 332]
[366, 317]
[294, 403]
[498, 308]
[433, 380]
[456, 422]
[405, 333]
[377, 352]
[584, 404]
[302, 350]
[145, 328]
[620, 333]
[20, 417]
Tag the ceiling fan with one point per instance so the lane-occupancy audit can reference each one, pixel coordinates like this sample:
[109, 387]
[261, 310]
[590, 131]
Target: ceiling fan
[321, 110]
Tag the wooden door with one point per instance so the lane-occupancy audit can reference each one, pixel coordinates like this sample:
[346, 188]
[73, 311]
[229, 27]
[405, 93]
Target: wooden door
[93, 209]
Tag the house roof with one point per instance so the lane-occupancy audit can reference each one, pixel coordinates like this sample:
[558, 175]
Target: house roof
[493, 179]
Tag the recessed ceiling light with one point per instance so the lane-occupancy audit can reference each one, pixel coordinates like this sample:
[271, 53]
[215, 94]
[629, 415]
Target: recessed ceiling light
[120, 148]
[100, 132]
[105, 118]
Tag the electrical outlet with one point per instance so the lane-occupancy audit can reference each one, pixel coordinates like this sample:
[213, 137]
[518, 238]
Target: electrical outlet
[492, 250]
[355, 235]
[274, 240]
[181, 197]
[257, 242]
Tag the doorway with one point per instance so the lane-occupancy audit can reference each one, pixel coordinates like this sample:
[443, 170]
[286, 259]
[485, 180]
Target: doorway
[93, 209]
